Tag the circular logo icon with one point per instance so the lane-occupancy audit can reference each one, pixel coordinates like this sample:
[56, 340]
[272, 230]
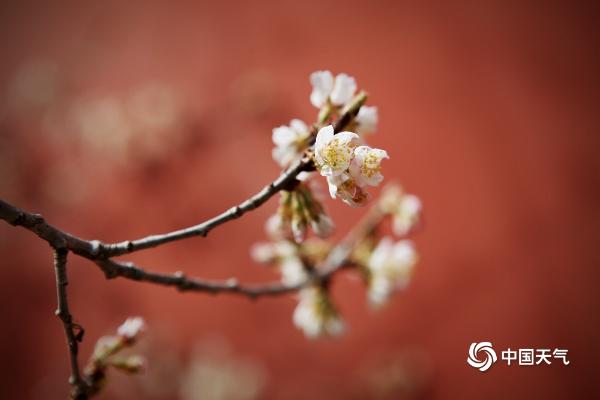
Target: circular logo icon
[485, 350]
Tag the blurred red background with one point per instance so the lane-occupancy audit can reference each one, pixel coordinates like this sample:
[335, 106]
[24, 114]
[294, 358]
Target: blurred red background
[121, 119]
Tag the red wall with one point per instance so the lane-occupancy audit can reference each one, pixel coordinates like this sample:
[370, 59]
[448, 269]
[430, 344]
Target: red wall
[489, 111]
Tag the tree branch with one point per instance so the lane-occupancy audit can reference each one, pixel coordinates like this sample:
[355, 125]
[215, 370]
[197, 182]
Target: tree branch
[337, 259]
[94, 249]
[101, 253]
[112, 269]
[60, 269]
[127, 270]
[284, 181]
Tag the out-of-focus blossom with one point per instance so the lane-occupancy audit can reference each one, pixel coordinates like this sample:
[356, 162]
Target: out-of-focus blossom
[154, 106]
[407, 214]
[103, 125]
[366, 120]
[316, 316]
[293, 271]
[107, 353]
[289, 141]
[338, 91]
[286, 256]
[299, 209]
[131, 328]
[216, 373]
[404, 208]
[389, 269]
[132, 364]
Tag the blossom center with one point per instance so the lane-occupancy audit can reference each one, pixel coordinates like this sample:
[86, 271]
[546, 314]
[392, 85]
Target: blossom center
[371, 165]
[337, 154]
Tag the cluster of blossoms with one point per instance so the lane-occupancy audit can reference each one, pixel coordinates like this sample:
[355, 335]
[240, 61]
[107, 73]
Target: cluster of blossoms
[299, 209]
[333, 95]
[350, 167]
[316, 315]
[108, 353]
[387, 264]
[404, 208]
[389, 268]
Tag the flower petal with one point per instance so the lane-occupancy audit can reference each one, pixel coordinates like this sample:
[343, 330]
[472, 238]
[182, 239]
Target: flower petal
[380, 255]
[322, 83]
[367, 119]
[343, 89]
[365, 167]
[299, 126]
[347, 137]
[283, 135]
[324, 136]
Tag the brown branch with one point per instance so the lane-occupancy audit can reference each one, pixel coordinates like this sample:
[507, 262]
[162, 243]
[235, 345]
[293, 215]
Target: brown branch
[127, 270]
[60, 269]
[112, 269]
[337, 259]
[284, 181]
[94, 249]
[339, 255]
[101, 253]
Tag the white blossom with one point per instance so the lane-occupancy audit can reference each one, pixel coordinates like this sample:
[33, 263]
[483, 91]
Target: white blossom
[289, 141]
[315, 315]
[322, 83]
[404, 208]
[390, 267]
[333, 152]
[343, 89]
[407, 214]
[346, 189]
[263, 252]
[274, 227]
[292, 271]
[286, 256]
[322, 226]
[366, 120]
[298, 210]
[131, 364]
[349, 169]
[131, 328]
[365, 167]
[338, 91]
[272, 251]
[304, 176]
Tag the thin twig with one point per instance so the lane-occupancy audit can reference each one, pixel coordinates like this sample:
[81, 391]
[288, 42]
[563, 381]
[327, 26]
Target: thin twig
[337, 259]
[60, 268]
[281, 183]
[127, 270]
[285, 180]
[94, 249]
[341, 252]
[101, 253]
